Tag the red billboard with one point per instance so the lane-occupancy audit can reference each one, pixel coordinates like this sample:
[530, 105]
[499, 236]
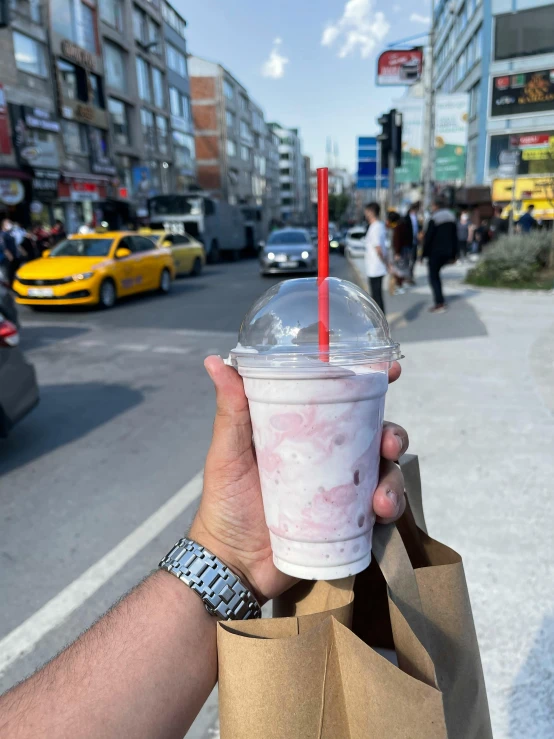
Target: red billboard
[400, 67]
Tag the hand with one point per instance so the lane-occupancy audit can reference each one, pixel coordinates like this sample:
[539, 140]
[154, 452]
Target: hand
[230, 521]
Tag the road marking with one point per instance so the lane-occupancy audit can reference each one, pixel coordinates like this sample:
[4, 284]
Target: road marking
[24, 638]
[134, 347]
[170, 350]
[90, 344]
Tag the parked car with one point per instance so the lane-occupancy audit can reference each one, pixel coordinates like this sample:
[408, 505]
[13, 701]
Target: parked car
[18, 382]
[354, 241]
[95, 269]
[188, 253]
[288, 250]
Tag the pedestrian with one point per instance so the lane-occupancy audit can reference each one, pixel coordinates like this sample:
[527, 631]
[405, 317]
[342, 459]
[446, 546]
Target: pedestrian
[146, 668]
[9, 249]
[527, 223]
[463, 235]
[414, 221]
[439, 248]
[57, 233]
[401, 243]
[375, 253]
[499, 225]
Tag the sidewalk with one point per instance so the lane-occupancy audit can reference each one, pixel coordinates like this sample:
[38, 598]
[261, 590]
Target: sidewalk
[477, 396]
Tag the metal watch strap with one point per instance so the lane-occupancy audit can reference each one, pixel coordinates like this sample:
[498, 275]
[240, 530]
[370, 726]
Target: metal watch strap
[223, 594]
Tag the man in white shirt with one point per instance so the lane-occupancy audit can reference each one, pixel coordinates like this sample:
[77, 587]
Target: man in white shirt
[375, 253]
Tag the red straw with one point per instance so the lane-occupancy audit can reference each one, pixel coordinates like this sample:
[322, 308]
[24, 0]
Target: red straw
[323, 260]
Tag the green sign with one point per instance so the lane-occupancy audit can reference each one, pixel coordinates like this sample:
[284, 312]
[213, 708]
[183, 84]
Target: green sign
[451, 116]
[412, 139]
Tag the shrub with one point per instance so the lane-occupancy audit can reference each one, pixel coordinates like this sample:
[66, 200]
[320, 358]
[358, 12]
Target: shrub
[512, 260]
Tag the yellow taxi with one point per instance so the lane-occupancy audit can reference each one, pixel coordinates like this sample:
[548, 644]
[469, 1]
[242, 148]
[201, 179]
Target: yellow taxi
[188, 253]
[95, 269]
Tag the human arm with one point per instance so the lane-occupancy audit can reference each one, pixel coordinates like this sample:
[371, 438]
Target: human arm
[428, 239]
[145, 669]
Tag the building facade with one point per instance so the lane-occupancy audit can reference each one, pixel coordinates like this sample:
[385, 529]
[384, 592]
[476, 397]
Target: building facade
[501, 52]
[293, 183]
[235, 152]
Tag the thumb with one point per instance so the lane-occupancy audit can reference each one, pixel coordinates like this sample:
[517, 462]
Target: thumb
[232, 426]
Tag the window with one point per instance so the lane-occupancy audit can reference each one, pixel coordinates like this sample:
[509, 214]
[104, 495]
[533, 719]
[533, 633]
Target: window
[176, 60]
[111, 12]
[243, 103]
[148, 132]
[139, 25]
[143, 79]
[161, 128]
[285, 172]
[462, 19]
[68, 76]
[99, 149]
[474, 100]
[257, 121]
[116, 75]
[285, 186]
[158, 84]
[245, 132]
[87, 29]
[179, 104]
[231, 148]
[120, 122]
[284, 155]
[29, 55]
[96, 94]
[524, 33]
[471, 7]
[174, 20]
[183, 150]
[230, 119]
[471, 161]
[228, 90]
[153, 35]
[75, 138]
[245, 153]
[478, 40]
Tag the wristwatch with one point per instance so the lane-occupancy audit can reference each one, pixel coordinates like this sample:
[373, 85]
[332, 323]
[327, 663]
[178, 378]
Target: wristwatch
[222, 593]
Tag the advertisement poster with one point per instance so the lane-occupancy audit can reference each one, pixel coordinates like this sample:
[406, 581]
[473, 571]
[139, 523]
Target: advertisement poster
[400, 67]
[524, 93]
[5, 143]
[451, 118]
[35, 137]
[412, 139]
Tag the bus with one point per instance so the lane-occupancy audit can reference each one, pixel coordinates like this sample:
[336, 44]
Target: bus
[218, 225]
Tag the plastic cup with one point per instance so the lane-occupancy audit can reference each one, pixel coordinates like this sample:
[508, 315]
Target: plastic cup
[317, 424]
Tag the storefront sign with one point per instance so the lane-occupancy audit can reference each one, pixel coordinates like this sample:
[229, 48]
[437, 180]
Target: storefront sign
[451, 118]
[80, 56]
[45, 183]
[84, 191]
[41, 119]
[34, 146]
[400, 67]
[529, 92]
[12, 192]
[5, 142]
[100, 162]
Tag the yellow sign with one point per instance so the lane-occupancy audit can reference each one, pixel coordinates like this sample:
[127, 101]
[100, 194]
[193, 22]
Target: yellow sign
[538, 191]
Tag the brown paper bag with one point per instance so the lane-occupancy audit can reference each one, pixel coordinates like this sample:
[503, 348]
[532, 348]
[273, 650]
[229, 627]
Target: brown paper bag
[307, 674]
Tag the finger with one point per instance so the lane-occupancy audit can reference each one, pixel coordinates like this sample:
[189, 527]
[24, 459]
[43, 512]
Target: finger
[232, 426]
[228, 386]
[394, 372]
[394, 442]
[389, 501]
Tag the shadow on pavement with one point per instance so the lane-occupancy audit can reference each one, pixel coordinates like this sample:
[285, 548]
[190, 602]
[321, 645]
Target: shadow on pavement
[531, 706]
[36, 337]
[65, 413]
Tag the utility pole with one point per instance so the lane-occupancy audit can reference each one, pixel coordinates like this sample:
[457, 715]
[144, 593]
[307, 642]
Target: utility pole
[428, 158]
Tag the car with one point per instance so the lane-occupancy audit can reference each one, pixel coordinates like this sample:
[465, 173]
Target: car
[355, 241]
[188, 254]
[18, 381]
[95, 269]
[288, 250]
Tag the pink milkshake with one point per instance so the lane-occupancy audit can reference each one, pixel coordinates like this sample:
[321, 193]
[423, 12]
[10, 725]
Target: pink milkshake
[317, 424]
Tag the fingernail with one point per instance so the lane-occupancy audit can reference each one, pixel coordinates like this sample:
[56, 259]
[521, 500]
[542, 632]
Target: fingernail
[400, 441]
[392, 495]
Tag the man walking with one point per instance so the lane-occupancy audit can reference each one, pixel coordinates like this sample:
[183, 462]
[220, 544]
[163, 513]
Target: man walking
[463, 235]
[527, 223]
[412, 215]
[375, 253]
[440, 247]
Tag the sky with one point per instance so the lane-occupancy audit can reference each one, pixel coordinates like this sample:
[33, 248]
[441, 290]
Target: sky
[309, 64]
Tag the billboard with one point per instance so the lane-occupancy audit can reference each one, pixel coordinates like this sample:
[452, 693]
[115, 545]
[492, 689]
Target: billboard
[523, 93]
[412, 110]
[400, 67]
[451, 118]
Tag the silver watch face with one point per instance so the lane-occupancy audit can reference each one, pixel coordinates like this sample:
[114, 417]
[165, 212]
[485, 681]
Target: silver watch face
[222, 593]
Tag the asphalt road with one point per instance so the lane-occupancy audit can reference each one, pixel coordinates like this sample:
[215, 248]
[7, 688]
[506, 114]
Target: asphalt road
[123, 424]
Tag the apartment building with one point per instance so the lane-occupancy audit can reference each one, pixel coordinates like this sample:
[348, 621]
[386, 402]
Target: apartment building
[293, 182]
[29, 131]
[235, 152]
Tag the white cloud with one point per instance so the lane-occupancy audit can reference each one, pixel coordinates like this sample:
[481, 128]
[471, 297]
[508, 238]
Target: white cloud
[359, 27]
[275, 64]
[417, 18]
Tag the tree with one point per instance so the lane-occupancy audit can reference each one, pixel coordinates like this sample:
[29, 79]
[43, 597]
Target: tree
[338, 205]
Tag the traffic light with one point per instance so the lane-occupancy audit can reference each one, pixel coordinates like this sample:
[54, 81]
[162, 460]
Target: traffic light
[391, 136]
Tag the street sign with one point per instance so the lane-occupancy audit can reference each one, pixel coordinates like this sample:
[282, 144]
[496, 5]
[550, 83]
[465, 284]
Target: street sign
[509, 157]
[367, 165]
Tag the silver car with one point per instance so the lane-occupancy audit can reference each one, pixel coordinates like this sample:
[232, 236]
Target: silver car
[288, 250]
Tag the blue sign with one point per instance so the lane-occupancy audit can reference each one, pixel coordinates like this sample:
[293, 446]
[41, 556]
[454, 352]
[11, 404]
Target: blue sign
[367, 165]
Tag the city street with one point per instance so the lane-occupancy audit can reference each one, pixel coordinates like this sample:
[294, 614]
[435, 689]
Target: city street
[102, 477]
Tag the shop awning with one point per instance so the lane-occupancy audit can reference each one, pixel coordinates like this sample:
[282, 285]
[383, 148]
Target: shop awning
[13, 174]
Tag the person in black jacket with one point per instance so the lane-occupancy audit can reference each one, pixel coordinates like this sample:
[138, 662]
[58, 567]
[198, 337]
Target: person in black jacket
[440, 247]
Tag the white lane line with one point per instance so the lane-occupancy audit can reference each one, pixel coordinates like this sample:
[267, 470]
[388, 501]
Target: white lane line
[90, 344]
[171, 350]
[27, 635]
[133, 347]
